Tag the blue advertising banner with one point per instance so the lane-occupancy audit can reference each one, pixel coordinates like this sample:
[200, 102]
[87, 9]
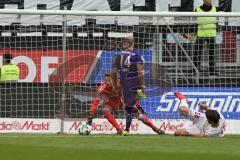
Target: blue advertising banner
[225, 100]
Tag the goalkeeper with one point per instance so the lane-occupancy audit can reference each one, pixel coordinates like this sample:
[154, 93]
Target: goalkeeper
[111, 101]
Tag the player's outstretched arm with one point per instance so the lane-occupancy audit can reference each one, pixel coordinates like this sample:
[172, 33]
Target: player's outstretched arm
[197, 135]
[184, 132]
[140, 76]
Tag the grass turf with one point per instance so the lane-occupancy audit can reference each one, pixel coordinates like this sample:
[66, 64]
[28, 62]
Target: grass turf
[115, 147]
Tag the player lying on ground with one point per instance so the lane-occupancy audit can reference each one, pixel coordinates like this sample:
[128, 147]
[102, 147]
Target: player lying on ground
[111, 101]
[212, 123]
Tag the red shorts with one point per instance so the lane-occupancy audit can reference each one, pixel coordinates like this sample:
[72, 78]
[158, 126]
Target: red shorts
[114, 102]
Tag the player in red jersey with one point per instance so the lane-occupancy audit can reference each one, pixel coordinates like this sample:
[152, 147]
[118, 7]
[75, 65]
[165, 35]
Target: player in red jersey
[112, 100]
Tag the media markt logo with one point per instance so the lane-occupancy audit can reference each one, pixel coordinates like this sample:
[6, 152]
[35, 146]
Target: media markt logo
[26, 125]
[16, 125]
[103, 126]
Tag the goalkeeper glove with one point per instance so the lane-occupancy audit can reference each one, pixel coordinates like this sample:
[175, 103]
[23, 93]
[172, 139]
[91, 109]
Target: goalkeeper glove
[140, 94]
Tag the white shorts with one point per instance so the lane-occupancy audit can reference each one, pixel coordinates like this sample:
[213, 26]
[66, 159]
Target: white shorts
[191, 128]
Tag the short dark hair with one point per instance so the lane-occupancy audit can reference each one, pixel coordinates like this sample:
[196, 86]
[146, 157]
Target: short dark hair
[212, 116]
[7, 57]
[107, 75]
[129, 39]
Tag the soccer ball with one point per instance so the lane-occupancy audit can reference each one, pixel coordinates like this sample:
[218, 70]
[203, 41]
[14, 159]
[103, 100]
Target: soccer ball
[84, 129]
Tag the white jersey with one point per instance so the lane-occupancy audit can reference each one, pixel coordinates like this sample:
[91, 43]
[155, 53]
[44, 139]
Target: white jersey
[199, 121]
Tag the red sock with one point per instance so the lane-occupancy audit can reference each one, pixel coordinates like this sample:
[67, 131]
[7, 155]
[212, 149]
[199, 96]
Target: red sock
[94, 106]
[112, 120]
[146, 121]
[179, 95]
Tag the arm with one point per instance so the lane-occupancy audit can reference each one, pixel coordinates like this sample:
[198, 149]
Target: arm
[184, 132]
[140, 92]
[140, 76]
[115, 67]
[114, 76]
[197, 135]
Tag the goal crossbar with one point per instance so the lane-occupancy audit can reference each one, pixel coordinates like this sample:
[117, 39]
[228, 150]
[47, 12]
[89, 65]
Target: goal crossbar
[118, 13]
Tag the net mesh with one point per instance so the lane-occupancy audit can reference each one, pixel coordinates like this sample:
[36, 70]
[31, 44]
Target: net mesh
[58, 80]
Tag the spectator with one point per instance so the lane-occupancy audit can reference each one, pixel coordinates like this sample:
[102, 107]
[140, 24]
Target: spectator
[206, 33]
[9, 72]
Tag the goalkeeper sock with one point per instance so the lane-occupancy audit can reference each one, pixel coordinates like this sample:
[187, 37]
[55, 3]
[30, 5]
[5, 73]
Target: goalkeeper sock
[112, 120]
[147, 121]
[94, 106]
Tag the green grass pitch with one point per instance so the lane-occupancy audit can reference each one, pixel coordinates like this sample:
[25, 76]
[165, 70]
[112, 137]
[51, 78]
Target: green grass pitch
[116, 147]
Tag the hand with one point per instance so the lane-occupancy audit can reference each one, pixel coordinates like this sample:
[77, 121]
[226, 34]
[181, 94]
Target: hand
[203, 106]
[140, 94]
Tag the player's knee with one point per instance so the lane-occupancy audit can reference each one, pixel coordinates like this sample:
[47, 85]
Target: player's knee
[106, 114]
[106, 110]
[142, 117]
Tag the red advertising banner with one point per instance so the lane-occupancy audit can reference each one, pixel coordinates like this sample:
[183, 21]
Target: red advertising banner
[48, 66]
[228, 47]
[26, 125]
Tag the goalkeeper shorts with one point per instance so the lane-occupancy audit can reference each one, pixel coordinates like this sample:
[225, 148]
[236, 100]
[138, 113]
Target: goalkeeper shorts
[114, 102]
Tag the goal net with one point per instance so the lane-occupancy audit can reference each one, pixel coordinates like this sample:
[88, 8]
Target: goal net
[63, 57]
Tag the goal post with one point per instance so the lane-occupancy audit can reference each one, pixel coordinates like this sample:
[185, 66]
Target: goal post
[63, 56]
